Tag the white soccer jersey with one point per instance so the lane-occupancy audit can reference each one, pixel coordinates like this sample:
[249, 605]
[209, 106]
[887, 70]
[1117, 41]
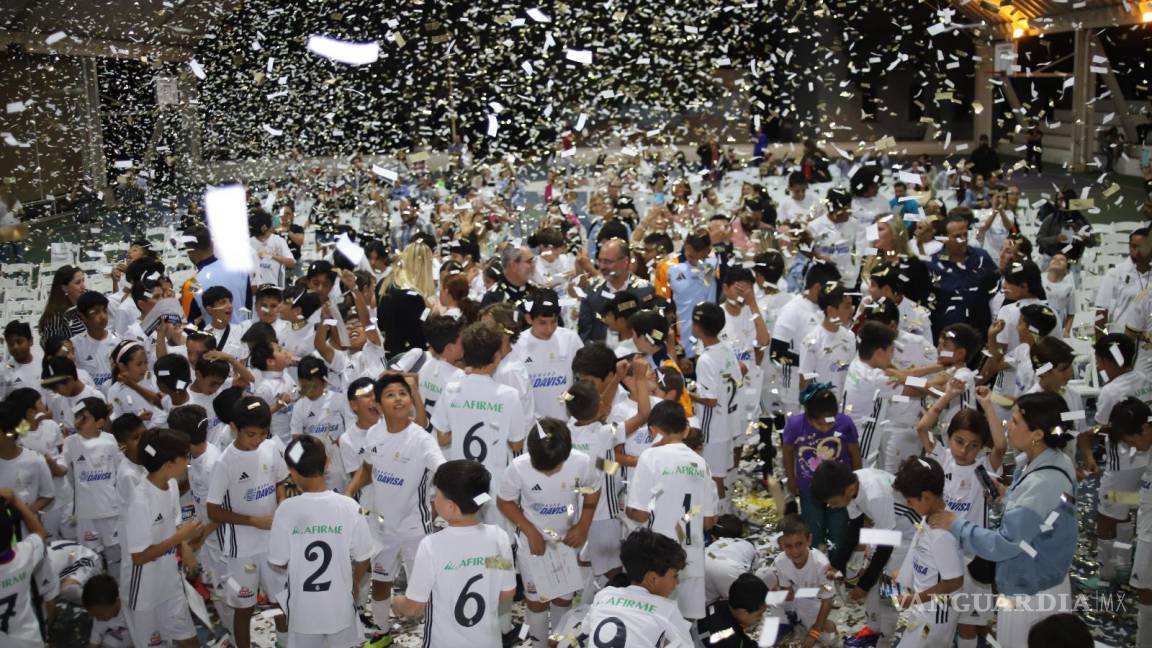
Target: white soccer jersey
[740, 334]
[124, 400]
[402, 466]
[318, 536]
[913, 350]
[513, 373]
[825, 356]
[672, 484]
[812, 575]
[838, 243]
[368, 362]
[18, 375]
[18, 623]
[299, 338]
[244, 481]
[549, 365]
[95, 357]
[483, 417]
[633, 617]
[205, 401]
[718, 377]
[269, 385]
[269, 270]
[434, 376]
[963, 492]
[47, 441]
[62, 406]
[886, 508]
[92, 466]
[599, 441]
[324, 418]
[642, 438]
[67, 559]
[459, 574]
[867, 398]
[27, 475]
[228, 340]
[1120, 457]
[112, 633]
[1144, 513]
[151, 518]
[914, 318]
[550, 502]
[967, 398]
[934, 556]
[128, 478]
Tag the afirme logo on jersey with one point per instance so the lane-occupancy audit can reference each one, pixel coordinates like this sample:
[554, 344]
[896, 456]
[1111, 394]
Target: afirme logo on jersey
[260, 492]
[478, 561]
[691, 470]
[482, 406]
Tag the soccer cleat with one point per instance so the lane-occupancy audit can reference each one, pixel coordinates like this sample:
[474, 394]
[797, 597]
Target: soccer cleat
[379, 641]
[512, 637]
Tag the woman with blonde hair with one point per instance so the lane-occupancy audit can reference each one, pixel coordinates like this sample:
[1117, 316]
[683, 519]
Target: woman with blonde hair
[403, 296]
[893, 249]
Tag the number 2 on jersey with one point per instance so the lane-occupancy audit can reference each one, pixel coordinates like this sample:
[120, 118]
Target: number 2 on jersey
[318, 550]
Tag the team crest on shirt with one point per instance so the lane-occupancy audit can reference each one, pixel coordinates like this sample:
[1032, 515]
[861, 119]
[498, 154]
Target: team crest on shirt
[155, 639]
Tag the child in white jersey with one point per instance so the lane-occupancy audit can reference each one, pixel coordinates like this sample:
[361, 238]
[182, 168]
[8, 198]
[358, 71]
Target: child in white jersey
[24, 359]
[65, 391]
[217, 322]
[540, 494]
[21, 470]
[273, 256]
[94, 346]
[19, 623]
[546, 350]
[933, 567]
[155, 605]
[132, 390]
[365, 414]
[192, 420]
[43, 437]
[466, 566]
[320, 413]
[672, 492]
[828, 349]
[275, 385]
[968, 433]
[445, 353]
[127, 430]
[1130, 423]
[728, 556]
[398, 460]
[870, 399]
[644, 613]
[246, 486]
[479, 418]
[800, 566]
[1116, 361]
[364, 353]
[718, 377]
[101, 600]
[93, 459]
[745, 331]
[320, 525]
[868, 493]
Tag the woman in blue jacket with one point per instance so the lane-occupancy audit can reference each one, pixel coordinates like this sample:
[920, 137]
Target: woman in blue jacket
[1036, 540]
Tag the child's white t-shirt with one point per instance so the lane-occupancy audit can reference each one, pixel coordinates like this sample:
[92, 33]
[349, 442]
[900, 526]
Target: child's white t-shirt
[550, 502]
[244, 481]
[642, 618]
[124, 400]
[513, 373]
[93, 465]
[28, 476]
[463, 568]
[269, 270]
[62, 406]
[483, 417]
[269, 385]
[151, 517]
[549, 366]
[95, 357]
[16, 578]
[934, 556]
[886, 508]
[813, 575]
[402, 466]
[318, 536]
[112, 633]
[128, 478]
[718, 377]
[434, 376]
[598, 441]
[963, 492]
[199, 481]
[324, 419]
[827, 354]
[867, 397]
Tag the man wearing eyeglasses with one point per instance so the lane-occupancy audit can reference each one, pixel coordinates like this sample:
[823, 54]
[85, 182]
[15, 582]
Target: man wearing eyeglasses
[615, 268]
[513, 283]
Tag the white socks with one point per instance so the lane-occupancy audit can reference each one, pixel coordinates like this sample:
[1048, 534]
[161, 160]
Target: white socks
[961, 642]
[382, 614]
[505, 616]
[555, 615]
[1105, 554]
[537, 627]
[1143, 626]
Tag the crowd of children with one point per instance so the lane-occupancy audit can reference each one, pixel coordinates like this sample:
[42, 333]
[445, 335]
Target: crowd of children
[278, 456]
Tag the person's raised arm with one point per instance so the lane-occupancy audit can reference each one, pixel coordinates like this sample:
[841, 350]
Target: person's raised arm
[320, 340]
[995, 427]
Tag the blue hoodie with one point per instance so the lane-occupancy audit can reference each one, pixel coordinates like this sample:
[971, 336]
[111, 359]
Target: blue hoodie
[1039, 489]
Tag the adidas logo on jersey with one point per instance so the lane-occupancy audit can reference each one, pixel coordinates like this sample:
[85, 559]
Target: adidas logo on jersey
[537, 487]
[88, 359]
[159, 518]
[80, 458]
[311, 414]
[243, 476]
[526, 360]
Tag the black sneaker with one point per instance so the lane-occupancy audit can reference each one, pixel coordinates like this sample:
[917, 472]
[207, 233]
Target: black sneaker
[512, 637]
